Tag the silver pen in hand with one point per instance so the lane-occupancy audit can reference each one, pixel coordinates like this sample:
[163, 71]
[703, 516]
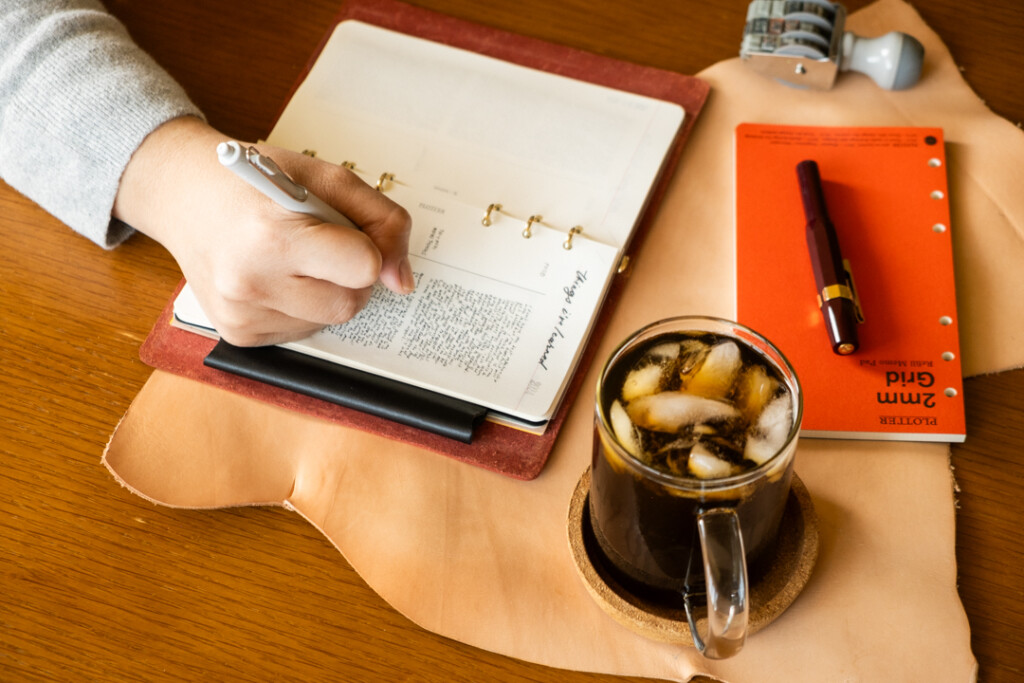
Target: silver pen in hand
[265, 175]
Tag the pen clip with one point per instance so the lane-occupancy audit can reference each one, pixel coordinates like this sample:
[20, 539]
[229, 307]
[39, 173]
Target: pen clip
[848, 270]
[272, 172]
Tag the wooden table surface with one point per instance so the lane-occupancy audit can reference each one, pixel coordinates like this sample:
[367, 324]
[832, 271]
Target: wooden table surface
[97, 584]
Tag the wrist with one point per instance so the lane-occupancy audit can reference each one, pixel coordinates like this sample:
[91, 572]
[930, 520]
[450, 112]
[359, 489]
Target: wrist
[150, 193]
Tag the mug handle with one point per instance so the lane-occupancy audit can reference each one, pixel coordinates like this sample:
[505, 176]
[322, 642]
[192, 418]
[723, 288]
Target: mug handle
[725, 576]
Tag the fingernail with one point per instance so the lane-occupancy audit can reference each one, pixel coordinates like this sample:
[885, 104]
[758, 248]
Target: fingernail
[405, 274]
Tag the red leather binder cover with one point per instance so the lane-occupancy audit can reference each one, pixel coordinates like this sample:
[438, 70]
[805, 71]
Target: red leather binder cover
[495, 447]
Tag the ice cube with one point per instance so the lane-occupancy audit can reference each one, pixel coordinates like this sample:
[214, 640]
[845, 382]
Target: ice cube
[756, 387]
[623, 428]
[758, 449]
[684, 444]
[716, 375]
[668, 351]
[692, 353]
[669, 411]
[769, 434]
[673, 461]
[642, 381]
[706, 465]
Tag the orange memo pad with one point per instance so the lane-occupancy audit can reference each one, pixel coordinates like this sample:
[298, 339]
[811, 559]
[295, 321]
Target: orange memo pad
[887, 195]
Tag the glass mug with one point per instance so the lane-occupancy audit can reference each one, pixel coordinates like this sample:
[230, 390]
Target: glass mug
[693, 458]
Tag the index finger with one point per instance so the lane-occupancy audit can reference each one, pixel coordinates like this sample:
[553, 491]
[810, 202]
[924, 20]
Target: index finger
[386, 223]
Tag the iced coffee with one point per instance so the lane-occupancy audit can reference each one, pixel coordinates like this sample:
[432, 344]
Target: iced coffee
[692, 415]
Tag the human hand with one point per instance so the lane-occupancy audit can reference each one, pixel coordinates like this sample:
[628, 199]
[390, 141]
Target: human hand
[262, 274]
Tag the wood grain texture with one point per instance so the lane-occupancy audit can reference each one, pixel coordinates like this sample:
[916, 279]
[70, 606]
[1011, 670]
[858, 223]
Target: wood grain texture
[98, 584]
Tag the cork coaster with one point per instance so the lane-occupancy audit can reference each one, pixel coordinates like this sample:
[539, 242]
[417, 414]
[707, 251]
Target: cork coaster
[796, 553]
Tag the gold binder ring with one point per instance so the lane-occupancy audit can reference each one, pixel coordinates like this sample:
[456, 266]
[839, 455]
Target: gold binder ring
[384, 177]
[575, 230]
[528, 230]
[350, 165]
[490, 209]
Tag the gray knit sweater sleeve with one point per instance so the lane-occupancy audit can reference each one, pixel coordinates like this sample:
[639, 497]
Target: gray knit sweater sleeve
[77, 97]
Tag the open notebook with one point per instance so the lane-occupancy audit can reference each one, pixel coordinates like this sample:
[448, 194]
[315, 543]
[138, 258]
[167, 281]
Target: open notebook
[524, 187]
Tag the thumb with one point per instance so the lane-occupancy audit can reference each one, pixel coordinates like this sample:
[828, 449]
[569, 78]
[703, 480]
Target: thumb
[392, 239]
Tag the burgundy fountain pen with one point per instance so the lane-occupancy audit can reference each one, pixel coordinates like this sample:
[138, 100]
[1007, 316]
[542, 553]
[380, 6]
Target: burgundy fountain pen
[835, 293]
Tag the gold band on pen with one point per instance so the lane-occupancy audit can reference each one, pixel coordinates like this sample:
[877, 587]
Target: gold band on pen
[836, 292]
[384, 177]
[575, 230]
[486, 220]
[528, 230]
